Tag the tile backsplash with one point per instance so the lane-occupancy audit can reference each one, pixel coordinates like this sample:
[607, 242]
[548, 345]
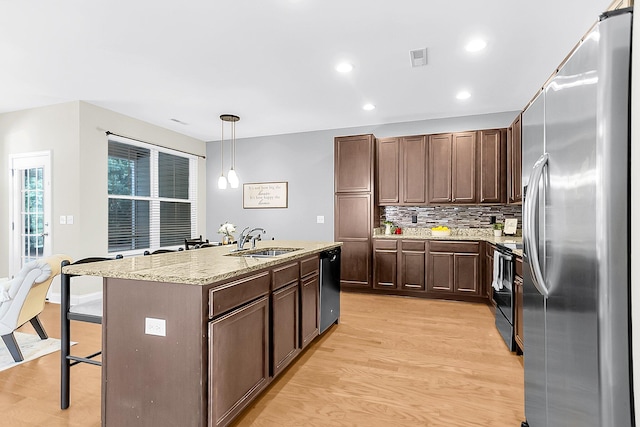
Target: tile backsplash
[451, 216]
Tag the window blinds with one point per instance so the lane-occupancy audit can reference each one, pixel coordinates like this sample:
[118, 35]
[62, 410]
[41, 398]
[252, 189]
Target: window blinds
[152, 196]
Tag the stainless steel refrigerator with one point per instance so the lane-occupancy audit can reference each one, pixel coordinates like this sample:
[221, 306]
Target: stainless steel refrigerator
[576, 221]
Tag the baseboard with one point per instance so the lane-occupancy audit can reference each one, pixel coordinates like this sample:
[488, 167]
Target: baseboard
[56, 298]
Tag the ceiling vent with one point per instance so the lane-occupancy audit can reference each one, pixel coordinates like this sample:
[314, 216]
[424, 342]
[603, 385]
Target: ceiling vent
[418, 57]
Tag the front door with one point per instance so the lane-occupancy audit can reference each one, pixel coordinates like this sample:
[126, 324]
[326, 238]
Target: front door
[30, 209]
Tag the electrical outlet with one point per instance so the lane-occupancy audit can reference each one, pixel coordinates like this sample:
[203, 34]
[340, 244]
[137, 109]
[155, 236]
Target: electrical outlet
[320, 219]
[414, 219]
[156, 327]
[69, 219]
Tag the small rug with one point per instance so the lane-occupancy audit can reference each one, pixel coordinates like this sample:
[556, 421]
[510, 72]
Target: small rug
[31, 346]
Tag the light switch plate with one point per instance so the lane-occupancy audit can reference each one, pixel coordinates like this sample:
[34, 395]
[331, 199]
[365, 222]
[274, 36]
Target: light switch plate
[320, 219]
[69, 219]
[156, 327]
[63, 219]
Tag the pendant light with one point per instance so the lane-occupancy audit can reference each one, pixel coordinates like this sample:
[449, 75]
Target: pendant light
[234, 181]
[222, 181]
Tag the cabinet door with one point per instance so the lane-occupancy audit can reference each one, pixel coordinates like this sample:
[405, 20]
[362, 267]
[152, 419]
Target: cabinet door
[388, 171]
[385, 265]
[439, 161]
[238, 359]
[463, 185]
[309, 309]
[286, 330]
[353, 214]
[519, 318]
[413, 270]
[515, 162]
[492, 166]
[353, 163]
[466, 274]
[414, 170]
[440, 276]
[488, 274]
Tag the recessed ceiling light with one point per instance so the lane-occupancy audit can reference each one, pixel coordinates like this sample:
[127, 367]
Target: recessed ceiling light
[368, 107]
[344, 67]
[463, 95]
[475, 45]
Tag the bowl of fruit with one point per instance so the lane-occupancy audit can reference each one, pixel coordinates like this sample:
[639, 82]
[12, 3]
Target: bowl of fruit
[440, 231]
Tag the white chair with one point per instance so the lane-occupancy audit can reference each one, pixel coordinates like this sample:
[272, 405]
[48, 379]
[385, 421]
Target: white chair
[22, 300]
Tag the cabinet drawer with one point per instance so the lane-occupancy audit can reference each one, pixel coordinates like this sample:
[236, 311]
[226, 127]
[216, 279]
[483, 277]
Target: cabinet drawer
[385, 244]
[285, 275]
[455, 247]
[309, 265]
[413, 245]
[519, 266]
[233, 294]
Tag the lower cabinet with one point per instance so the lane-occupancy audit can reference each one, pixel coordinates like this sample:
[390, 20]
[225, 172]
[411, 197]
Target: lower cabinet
[412, 265]
[238, 359]
[309, 307]
[454, 268]
[488, 272]
[385, 264]
[286, 326]
[519, 305]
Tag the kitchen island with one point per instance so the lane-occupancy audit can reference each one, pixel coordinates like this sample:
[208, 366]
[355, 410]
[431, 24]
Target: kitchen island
[191, 338]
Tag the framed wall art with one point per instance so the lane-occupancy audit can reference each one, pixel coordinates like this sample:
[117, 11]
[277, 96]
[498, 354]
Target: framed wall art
[265, 195]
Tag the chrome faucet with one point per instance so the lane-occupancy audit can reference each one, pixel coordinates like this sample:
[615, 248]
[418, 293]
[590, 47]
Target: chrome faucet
[244, 237]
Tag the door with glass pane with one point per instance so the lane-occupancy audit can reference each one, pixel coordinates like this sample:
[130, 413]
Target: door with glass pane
[30, 208]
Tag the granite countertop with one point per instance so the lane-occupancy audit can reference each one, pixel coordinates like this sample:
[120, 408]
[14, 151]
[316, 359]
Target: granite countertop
[469, 234]
[199, 266]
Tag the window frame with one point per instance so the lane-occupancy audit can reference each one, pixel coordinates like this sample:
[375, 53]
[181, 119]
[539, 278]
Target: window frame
[154, 199]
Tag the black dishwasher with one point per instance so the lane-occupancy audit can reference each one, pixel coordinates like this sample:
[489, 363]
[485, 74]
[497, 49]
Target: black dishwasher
[329, 288]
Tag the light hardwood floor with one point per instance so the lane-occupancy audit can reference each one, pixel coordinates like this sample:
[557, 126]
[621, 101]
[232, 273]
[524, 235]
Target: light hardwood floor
[392, 361]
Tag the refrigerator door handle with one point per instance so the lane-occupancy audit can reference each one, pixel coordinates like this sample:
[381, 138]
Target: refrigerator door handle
[530, 226]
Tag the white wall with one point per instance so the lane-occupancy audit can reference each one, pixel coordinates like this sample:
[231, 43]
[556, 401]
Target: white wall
[75, 133]
[305, 161]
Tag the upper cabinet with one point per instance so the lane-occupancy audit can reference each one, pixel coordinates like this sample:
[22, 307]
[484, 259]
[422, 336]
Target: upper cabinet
[354, 164]
[452, 168]
[514, 161]
[402, 170]
[492, 166]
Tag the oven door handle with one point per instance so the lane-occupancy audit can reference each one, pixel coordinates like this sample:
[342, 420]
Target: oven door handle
[529, 225]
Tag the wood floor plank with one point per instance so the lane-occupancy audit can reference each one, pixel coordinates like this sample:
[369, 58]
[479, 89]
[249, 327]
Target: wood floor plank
[392, 361]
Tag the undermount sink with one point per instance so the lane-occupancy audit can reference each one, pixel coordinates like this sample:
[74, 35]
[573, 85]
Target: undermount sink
[263, 253]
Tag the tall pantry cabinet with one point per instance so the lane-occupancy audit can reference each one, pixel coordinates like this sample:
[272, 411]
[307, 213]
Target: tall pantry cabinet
[355, 212]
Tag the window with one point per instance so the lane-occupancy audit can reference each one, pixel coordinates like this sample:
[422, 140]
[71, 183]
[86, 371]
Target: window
[151, 195]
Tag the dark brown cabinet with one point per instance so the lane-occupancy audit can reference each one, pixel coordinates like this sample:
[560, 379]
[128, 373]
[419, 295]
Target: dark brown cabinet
[309, 301]
[385, 264]
[353, 216]
[454, 268]
[412, 269]
[518, 325]
[514, 161]
[452, 168]
[492, 147]
[239, 359]
[355, 213]
[388, 162]
[353, 164]
[285, 317]
[488, 273]
[402, 170]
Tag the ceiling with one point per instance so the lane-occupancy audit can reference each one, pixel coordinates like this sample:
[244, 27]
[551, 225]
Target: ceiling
[272, 62]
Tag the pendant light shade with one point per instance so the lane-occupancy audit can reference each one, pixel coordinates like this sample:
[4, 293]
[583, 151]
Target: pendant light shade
[222, 182]
[234, 181]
